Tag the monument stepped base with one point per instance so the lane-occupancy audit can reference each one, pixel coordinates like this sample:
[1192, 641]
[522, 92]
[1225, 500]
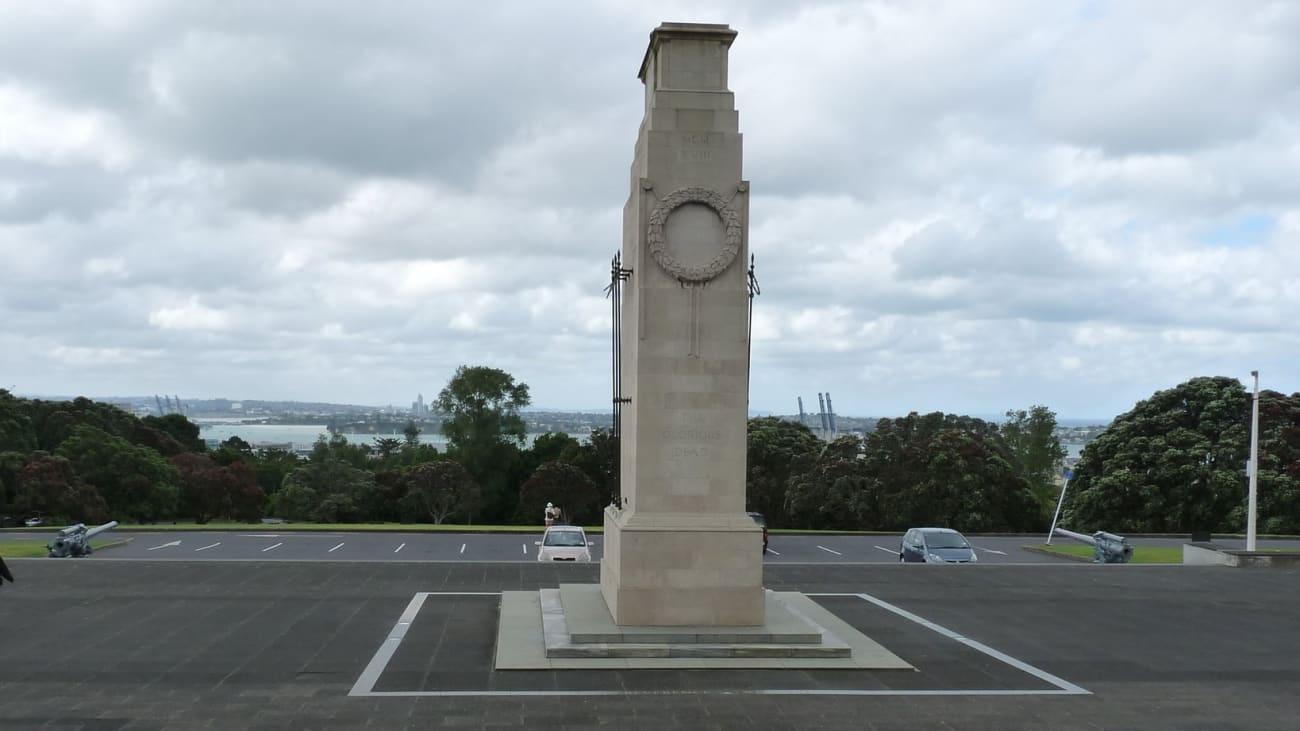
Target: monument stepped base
[570, 628]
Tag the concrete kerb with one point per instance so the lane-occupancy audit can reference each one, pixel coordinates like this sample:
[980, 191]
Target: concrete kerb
[1204, 554]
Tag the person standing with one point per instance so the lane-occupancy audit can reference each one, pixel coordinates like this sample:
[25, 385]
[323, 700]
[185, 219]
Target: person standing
[551, 514]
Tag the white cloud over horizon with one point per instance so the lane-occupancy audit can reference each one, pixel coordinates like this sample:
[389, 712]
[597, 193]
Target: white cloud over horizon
[958, 207]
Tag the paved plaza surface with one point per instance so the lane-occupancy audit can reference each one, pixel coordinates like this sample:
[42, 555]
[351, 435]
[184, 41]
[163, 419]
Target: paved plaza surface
[264, 543]
[168, 644]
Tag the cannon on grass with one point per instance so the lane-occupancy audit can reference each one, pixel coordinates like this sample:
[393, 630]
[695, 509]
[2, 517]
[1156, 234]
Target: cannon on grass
[1106, 547]
[75, 540]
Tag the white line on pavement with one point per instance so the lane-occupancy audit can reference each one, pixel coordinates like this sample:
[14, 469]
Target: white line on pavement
[990, 550]
[264, 550]
[166, 545]
[214, 545]
[395, 550]
[525, 549]
[887, 550]
[462, 548]
[332, 550]
[774, 553]
[1043, 675]
[364, 687]
[824, 548]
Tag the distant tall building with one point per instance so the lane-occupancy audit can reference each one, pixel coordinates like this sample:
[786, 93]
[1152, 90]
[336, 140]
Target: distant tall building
[418, 407]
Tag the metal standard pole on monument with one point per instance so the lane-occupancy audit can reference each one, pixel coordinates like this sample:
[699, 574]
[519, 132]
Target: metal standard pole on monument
[1254, 466]
[1069, 473]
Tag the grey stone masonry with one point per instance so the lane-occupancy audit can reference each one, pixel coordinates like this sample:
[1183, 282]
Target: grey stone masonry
[679, 549]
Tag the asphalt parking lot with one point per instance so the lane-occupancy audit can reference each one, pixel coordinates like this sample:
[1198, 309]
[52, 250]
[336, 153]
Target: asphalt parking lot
[240, 644]
[270, 545]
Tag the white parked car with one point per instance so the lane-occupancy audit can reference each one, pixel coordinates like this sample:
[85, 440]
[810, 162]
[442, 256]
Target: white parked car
[564, 543]
[34, 522]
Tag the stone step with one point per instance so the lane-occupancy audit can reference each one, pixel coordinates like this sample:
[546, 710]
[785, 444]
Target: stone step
[616, 650]
[587, 621]
[633, 637]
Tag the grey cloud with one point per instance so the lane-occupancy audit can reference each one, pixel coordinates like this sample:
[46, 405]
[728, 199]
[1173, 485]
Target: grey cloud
[1016, 247]
[281, 190]
[1203, 75]
[41, 191]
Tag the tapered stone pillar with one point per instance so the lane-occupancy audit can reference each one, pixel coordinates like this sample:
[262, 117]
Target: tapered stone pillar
[680, 550]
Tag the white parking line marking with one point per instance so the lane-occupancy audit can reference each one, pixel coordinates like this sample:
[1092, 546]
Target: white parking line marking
[166, 545]
[887, 550]
[824, 548]
[214, 545]
[525, 549]
[395, 550]
[990, 550]
[264, 550]
[332, 550]
[365, 685]
[774, 553]
[462, 548]
[1043, 675]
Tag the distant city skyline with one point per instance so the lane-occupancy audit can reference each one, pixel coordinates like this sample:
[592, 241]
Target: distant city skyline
[1062, 420]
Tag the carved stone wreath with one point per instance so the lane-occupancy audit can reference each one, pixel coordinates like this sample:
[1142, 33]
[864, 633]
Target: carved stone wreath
[659, 243]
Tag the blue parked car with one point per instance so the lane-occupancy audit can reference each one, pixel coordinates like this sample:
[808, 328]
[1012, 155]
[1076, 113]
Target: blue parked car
[935, 545]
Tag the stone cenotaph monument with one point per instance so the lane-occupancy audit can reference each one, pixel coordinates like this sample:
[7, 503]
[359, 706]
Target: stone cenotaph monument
[681, 581]
[680, 549]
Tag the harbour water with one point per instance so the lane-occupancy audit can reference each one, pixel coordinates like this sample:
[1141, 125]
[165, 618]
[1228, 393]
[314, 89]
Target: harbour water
[301, 437]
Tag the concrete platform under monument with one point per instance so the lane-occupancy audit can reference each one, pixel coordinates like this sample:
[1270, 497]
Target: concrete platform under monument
[571, 628]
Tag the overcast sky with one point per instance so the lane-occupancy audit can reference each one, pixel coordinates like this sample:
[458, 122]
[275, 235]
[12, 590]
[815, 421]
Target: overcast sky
[961, 206]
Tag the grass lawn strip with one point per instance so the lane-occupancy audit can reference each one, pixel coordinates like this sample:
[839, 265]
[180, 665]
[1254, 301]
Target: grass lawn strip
[1141, 554]
[37, 549]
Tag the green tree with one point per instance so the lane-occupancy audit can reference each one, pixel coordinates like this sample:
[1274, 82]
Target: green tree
[179, 428]
[135, 481]
[835, 492]
[776, 450]
[547, 447]
[948, 470]
[564, 485]
[247, 500]
[598, 458]
[1279, 464]
[234, 450]
[386, 448]
[205, 487]
[10, 464]
[1171, 464]
[1031, 436]
[48, 485]
[54, 421]
[272, 466]
[17, 434]
[437, 490]
[485, 431]
[337, 448]
[411, 433]
[550, 447]
[325, 491]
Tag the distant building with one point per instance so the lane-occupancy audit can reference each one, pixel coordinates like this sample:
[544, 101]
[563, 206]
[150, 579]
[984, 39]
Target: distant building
[418, 407]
